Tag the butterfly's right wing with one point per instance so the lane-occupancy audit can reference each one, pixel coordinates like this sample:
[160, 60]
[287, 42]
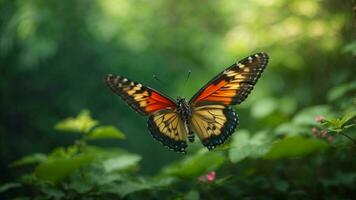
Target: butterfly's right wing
[167, 127]
[142, 99]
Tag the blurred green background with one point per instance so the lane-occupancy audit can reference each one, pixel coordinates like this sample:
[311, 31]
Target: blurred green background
[55, 54]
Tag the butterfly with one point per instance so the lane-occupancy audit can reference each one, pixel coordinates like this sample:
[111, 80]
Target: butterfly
[207, 114]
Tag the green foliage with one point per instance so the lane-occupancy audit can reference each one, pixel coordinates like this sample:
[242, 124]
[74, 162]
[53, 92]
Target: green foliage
[83, 123]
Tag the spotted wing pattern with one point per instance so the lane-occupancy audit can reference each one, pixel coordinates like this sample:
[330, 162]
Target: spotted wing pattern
[167, 127]
[234, 84]
[214, 124]
[142, 99]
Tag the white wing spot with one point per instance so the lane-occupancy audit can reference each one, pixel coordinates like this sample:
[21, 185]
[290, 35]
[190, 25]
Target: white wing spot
[132, 83]
[249, 59]
[240, 65]
[257, 56]
[124, 80]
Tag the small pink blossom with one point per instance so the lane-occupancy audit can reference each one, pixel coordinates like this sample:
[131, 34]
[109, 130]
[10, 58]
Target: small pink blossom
[209, 177]
[319, 118]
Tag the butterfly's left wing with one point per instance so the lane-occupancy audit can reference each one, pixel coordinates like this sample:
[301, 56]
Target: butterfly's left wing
[234, 84]
[212, 119]
[214, 124]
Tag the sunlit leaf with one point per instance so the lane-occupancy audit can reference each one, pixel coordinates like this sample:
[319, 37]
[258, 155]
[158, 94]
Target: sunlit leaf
[30, 159]
[295, 146]
[106, 132]
[121, 162]
[83, 123]
[57, 169]
[195, 165]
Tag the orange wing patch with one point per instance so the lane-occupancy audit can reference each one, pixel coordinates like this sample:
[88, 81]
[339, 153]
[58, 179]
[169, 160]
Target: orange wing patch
[234, 84]
[142, 99]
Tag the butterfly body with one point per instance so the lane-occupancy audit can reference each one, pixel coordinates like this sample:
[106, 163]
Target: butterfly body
[185, 112]
[207, 114]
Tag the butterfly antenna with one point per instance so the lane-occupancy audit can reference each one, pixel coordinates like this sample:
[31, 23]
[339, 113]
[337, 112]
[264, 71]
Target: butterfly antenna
[158, 80]
[186, 80]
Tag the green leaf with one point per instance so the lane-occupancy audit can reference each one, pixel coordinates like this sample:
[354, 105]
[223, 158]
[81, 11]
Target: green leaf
[243, 145]
[121, 162]
[56, 169]
[83, 123]
[195, 165]
[9, 186]
[106, 132]
[348, 117]
[30, 159]
[295, 146]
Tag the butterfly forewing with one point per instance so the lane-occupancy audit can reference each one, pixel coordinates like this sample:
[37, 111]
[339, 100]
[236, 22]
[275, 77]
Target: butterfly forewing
[214, 124]
[143, 99]
[234, 84]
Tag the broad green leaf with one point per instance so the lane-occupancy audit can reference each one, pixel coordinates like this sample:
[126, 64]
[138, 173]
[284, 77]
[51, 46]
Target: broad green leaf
[307, 115]
[195, 165]
[295, 146]
[243, 145]
[57, 169]
[121, 162]
[83, 123]
[9, 186]
[30, 159]
[106, 132]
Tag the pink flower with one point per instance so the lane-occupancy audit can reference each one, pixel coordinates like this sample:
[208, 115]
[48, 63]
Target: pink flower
[319, 118]
[209, 177]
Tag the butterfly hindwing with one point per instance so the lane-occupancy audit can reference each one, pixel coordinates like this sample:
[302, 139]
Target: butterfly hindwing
[234, 84]
[214, 124]
[167, 127]
[142, 99]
